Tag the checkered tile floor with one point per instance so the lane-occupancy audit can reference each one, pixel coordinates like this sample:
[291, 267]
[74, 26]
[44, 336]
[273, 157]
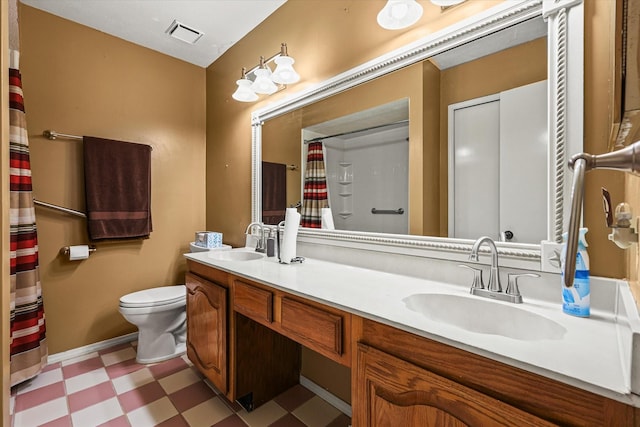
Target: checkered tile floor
[108, 388]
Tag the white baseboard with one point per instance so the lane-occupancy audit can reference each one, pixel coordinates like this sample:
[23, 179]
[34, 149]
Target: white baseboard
[330, 398]
[81, 351]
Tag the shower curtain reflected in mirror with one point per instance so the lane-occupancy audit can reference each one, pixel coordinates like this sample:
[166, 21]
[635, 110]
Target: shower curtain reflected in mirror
[315, 195]
[28, 346]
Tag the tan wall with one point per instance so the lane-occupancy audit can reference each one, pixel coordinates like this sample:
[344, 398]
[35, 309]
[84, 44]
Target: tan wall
[606, 259]
[83, 82]
[431, 174]
[284, 131]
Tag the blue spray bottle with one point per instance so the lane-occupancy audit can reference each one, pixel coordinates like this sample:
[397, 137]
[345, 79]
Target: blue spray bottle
[576, 300]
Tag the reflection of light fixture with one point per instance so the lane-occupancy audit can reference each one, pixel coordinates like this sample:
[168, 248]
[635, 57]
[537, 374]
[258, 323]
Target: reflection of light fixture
[260, 79]
[446, 3]
[397, 14]
[244, 92]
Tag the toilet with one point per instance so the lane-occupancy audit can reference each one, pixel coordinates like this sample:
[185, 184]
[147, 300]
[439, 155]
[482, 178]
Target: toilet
[160, 315]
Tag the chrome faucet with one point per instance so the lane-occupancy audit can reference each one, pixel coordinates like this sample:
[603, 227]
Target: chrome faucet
[261, 245]
[494, 289]
[494, 276]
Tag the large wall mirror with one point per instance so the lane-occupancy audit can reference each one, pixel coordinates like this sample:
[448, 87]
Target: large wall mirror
[460, 135]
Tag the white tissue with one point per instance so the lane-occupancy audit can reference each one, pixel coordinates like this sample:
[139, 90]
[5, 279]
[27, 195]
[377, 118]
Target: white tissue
[291, 224]
[327, 219]
[78, 252]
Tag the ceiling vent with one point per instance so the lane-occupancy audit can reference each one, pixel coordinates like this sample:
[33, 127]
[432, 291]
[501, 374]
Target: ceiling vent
[181, 32]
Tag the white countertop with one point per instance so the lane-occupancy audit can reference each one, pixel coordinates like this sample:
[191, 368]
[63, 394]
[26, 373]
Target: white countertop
[594, 354]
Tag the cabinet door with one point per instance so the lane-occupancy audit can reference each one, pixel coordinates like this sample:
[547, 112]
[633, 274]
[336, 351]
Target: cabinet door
[207, 329]
[392, 392]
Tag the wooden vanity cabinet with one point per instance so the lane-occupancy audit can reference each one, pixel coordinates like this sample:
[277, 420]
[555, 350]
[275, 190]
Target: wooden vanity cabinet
[323, 329]
[246, 361]
[207, 328]
[402, 376]
[393, 392]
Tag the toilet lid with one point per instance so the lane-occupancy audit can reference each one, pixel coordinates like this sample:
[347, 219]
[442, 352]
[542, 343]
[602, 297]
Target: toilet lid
[154, 296]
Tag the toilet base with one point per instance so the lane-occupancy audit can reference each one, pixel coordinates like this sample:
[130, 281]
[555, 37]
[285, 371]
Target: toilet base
[180, 350]
[154, 347]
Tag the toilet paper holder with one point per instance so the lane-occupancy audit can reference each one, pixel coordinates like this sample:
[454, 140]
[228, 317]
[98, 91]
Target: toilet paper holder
[66, 250]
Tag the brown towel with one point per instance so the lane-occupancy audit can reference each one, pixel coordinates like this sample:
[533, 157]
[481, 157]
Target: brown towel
[274, 192]
[117, 179]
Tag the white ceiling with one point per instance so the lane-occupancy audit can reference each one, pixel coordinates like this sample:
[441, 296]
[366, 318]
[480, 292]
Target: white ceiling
[144, 22]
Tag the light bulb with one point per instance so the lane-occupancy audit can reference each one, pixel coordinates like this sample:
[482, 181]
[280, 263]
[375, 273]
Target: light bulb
[397, 14]
[263, 83]
[244, 92]
[284, 72]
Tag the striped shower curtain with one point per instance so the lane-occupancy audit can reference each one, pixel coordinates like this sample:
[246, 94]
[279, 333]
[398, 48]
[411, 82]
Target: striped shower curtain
[315, 188]
[28, 345]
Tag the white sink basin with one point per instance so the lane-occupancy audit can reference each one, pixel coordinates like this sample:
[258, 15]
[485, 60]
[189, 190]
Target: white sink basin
[240, 254]
[485, 316]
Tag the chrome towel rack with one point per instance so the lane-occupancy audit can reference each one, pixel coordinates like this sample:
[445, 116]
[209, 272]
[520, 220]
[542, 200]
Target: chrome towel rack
[52, 134]
[60, 208]
[398, 211]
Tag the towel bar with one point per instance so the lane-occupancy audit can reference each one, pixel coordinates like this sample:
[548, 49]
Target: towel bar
[60, 208]
[52, 134]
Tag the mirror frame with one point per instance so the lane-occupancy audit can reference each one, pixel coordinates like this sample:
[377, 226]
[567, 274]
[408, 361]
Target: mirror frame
[565, 44]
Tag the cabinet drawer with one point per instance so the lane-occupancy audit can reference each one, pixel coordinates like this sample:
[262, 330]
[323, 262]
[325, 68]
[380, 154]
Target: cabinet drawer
[316, 328]
[253, 302]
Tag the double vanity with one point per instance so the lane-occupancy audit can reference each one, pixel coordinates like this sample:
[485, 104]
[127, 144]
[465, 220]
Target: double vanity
[418, 349]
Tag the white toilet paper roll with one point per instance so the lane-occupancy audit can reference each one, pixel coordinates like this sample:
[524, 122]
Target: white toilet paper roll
[327, 219]
[78, 252]
[291, 224]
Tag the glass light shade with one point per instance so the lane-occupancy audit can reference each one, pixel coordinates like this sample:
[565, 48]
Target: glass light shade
[244, 92]
[263, 83]
[284, 72]
[398, 14]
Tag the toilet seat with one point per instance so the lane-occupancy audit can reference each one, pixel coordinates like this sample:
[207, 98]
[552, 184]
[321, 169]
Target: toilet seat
[154, 297]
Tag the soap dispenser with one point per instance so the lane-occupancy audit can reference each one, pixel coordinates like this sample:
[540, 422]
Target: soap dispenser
[271, 243]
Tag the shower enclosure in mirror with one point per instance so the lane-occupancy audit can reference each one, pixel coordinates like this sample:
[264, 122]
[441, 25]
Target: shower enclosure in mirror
[511, 75]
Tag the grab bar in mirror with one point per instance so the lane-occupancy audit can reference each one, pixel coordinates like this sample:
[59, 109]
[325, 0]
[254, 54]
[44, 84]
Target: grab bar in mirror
[398, 211]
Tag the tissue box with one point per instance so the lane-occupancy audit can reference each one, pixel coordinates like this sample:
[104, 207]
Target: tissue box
[208, 239]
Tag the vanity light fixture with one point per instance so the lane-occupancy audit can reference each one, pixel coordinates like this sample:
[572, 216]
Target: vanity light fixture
[244, 92]
[398, 14]
[263, 83]
[261, 80]
[284, 72]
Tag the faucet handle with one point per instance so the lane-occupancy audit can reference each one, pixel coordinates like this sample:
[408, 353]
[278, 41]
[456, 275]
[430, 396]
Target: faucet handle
[477, 277]
[512, 285]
